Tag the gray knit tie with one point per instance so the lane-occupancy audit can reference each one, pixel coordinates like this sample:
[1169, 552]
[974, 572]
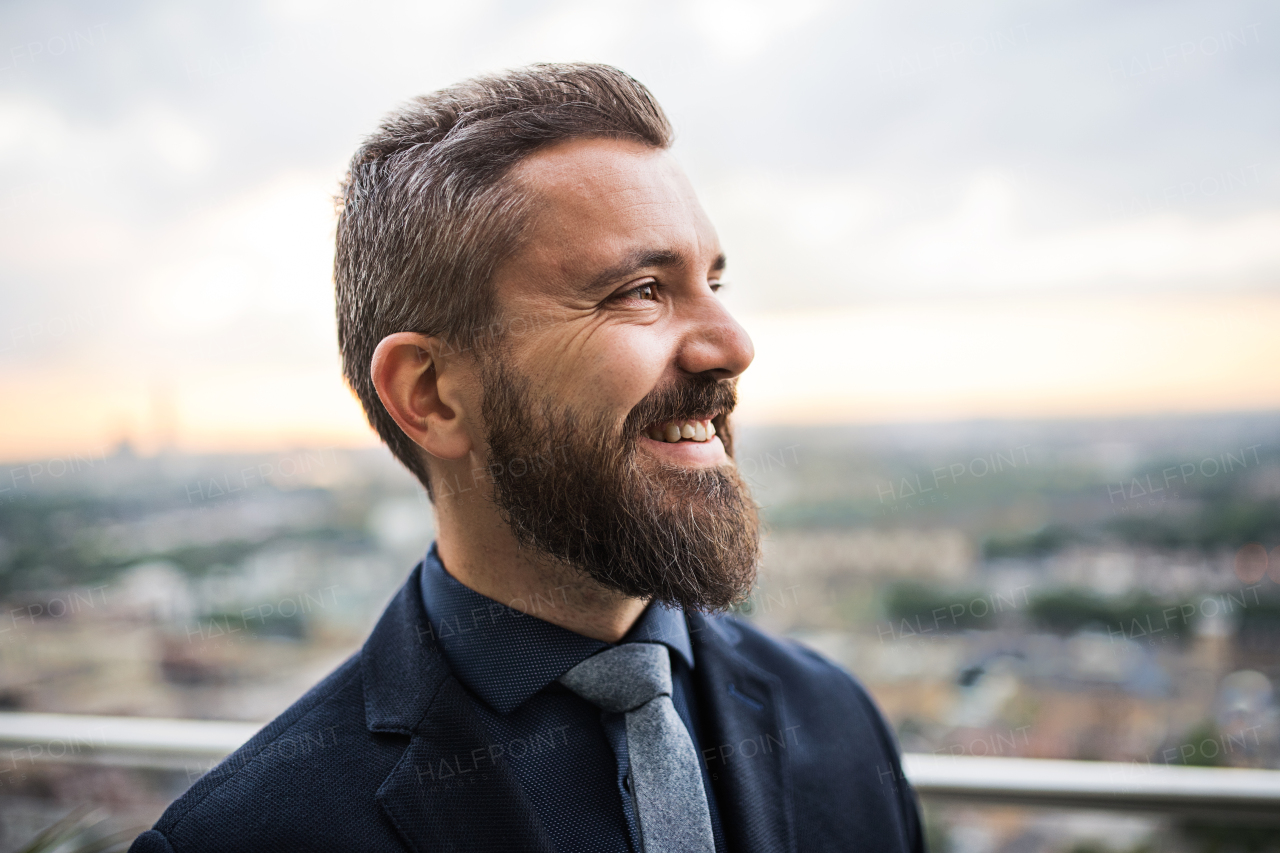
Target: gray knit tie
[671, 804]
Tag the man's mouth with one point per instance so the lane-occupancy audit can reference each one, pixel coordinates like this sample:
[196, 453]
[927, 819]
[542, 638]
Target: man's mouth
[673, 432]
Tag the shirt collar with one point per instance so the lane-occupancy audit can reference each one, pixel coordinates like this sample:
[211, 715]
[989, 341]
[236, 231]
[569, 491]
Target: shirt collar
[505, 656]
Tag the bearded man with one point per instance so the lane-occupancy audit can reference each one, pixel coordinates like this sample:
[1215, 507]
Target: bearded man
[528, 311]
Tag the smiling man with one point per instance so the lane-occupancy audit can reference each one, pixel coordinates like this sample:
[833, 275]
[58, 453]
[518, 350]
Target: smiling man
[528, 311]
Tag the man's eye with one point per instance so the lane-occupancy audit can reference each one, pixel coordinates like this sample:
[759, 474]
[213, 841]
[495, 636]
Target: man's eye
[645, 291]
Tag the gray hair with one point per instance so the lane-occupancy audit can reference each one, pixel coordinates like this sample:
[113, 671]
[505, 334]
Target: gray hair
[426, 217]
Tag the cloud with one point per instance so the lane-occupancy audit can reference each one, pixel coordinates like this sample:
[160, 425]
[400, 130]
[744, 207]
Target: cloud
[847, 239]
[165, 196]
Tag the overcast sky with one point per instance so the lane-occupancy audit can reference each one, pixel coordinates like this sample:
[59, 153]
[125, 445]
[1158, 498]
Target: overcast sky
[166, 173]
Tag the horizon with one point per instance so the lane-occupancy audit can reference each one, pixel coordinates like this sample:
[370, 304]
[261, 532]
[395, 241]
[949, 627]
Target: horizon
[902, 434]
[925, 360]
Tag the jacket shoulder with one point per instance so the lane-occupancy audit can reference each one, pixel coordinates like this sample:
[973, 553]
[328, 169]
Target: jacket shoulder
[798, 666]
[306, 780]
[810, 679]
[844, 751]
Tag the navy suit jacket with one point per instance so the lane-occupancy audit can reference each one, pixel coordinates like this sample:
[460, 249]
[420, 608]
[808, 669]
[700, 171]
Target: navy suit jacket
[386, 754]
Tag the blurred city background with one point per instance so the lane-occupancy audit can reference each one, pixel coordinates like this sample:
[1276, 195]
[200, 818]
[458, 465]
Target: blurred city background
[1013, 275]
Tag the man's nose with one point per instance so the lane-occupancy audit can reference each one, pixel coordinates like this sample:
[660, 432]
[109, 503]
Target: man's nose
[715, 343]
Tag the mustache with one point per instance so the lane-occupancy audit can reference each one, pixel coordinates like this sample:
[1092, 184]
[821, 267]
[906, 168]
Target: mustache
[695, 397]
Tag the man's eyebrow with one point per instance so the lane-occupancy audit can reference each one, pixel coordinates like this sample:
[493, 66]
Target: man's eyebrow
[644, 259]
[633, 263]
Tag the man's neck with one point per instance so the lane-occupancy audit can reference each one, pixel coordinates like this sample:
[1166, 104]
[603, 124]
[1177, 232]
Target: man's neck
[479, 551]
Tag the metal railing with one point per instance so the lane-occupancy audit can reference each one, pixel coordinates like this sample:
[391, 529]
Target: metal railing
[1115, 786]
[1135, 787]
[119, 741]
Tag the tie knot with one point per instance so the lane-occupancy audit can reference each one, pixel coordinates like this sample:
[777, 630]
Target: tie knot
[622, 678]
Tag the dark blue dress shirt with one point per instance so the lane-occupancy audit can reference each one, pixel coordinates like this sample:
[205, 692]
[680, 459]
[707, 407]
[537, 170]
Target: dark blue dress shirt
[568, 755]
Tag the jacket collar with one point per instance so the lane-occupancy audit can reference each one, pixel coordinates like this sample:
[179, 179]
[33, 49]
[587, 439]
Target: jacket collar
[445, 793]
[746, 739]
[401, 668]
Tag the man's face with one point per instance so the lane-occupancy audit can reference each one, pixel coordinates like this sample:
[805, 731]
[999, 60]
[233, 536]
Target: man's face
[606, 407]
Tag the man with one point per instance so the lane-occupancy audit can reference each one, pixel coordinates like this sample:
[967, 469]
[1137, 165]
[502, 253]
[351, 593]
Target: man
[528, 311]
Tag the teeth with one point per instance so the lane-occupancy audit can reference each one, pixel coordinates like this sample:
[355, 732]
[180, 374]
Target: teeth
[682, 431]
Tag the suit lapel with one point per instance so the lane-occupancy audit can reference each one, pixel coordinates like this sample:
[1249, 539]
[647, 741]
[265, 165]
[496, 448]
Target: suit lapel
[448, 791]
[745, 742]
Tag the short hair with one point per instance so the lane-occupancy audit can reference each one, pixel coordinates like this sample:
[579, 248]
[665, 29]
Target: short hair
[426, 215]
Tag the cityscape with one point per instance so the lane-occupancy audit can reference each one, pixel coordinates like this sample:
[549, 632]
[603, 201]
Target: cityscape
[1093, 590]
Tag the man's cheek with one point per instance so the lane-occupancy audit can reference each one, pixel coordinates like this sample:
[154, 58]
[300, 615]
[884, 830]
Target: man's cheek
[631, 369]
[598, 364]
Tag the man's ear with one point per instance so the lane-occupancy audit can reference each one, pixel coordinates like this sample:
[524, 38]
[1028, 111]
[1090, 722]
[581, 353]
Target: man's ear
[414, 378]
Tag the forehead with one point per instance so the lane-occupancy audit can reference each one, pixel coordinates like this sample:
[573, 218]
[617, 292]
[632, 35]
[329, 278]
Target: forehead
[599, 199]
